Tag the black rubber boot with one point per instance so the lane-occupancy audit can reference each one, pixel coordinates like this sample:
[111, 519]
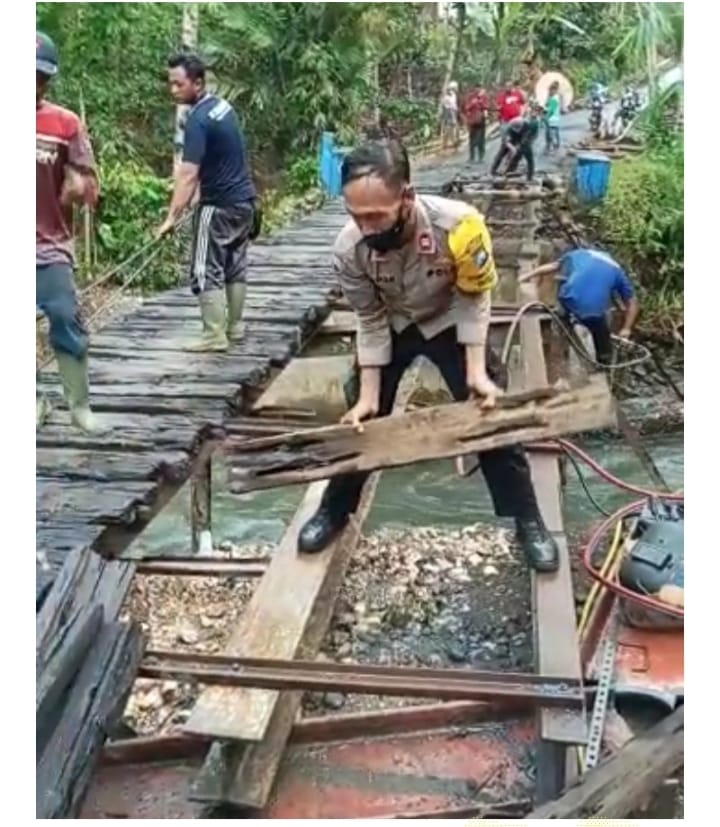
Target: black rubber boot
[320, 530]
[539, 546]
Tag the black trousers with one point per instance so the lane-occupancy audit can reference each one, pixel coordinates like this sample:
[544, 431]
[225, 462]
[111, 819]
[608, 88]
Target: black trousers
[506, 470]
[525, 152]
[476, 136]
[599, 330]
[220, 246]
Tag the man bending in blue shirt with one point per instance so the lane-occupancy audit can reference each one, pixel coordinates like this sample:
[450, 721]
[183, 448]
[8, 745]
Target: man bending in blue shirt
[588, 282]
[213, 155]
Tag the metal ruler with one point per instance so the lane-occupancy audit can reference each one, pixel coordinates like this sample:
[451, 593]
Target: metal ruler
[606, 673]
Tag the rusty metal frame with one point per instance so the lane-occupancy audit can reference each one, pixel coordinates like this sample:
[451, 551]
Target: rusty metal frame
[450, 684]
[325, 729]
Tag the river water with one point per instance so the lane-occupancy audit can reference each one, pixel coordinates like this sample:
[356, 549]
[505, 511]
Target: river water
[427, 494]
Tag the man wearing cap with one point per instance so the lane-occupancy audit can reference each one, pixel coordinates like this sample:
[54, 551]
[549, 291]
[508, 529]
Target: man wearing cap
[64, 175]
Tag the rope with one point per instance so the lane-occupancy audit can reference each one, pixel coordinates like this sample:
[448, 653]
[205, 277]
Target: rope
[157, 244]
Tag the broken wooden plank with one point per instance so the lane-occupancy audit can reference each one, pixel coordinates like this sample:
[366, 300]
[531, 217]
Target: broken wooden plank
[441, 432]
[622, 782]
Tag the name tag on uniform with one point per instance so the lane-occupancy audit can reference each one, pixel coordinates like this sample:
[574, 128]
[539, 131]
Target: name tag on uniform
[426, 243]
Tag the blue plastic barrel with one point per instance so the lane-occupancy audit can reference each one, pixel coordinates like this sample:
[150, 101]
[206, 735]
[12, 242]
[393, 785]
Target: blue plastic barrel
[330, 162]
[592, 176]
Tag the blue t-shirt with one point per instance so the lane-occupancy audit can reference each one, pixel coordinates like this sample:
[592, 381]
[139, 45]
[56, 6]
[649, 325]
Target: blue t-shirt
[214, 141]
[589, 279]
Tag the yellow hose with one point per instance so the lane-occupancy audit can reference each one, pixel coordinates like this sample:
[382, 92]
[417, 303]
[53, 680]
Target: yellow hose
[597, 587]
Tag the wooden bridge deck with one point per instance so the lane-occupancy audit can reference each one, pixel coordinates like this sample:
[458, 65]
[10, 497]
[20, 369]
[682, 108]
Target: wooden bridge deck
[161, 402]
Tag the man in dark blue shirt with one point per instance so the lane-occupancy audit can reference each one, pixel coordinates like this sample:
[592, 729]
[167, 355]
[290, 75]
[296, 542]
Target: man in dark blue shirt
[517, 143]
[214, 156]
[588, 282]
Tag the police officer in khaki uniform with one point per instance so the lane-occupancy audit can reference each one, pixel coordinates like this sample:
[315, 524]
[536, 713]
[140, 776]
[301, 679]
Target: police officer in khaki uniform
[418, 272]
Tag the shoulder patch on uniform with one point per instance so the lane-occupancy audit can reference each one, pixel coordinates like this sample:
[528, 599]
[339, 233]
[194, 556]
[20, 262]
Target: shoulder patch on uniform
[471, 250]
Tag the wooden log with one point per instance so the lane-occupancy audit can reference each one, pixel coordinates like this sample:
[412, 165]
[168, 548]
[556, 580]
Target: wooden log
[622, 782]
[95, 702]
[441, 432]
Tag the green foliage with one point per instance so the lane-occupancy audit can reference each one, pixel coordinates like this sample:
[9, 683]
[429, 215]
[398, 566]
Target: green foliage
[302, 175]
[643, 219]
[414, 120]
[112, 64]
[295, 69]
[132, 202]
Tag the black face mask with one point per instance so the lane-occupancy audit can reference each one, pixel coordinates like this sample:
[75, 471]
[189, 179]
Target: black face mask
[390, 239]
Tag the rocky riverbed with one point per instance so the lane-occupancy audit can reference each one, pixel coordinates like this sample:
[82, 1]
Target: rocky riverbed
[422, 596]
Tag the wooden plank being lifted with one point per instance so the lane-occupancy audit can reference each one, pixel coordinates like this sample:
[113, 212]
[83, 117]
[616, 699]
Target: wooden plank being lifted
[440, 432]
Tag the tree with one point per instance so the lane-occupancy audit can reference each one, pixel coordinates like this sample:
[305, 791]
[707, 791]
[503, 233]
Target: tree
[652, 30]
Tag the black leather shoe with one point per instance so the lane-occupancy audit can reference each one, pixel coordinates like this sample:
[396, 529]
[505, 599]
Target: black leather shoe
[319, 531]
[540, 548]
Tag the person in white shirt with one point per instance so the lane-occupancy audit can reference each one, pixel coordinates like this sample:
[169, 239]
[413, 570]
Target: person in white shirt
[449, 116]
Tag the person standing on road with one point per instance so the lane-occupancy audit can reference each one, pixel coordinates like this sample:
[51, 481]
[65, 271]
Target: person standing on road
[518, 143]
[64, 175]
[589, 280]
[510, 105]
[449, 116]
[418, 272]
[214, 156]
[475, 108]
[552, 118]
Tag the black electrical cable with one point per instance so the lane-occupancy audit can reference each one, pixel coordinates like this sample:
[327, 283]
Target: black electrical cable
[576, 346]
[583, 482]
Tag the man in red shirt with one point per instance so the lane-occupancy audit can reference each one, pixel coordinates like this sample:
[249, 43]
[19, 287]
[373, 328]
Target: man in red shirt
[510, 104]
[474, 112]
[64, 175]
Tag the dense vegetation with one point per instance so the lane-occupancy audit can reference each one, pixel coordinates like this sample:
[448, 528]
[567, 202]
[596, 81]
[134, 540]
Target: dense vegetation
[296, 69]
[642, 219]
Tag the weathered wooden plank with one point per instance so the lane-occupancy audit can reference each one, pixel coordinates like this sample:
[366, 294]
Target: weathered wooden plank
[95, 702]
[268, 626]
[58, 664]
[105, 503]
[244, 775]
[127, 432]
[207, 412]
[108, 466]
[622, 782]
[60, 538]
[441, 432]
[556, 645]
[164, 390]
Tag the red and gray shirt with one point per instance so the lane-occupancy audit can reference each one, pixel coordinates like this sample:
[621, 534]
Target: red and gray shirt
[60, 141]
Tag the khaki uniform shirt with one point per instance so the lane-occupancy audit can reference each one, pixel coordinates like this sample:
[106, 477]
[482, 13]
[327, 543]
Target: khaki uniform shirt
[415, 284]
